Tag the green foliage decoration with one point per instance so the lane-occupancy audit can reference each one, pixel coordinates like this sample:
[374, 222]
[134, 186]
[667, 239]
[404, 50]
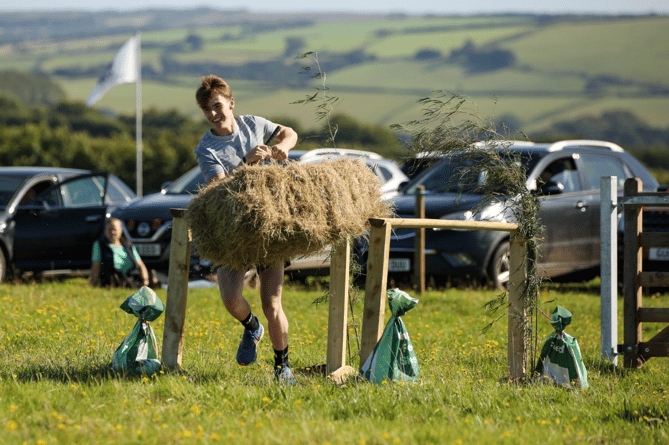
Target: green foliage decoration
[325, 102]
[450, 124]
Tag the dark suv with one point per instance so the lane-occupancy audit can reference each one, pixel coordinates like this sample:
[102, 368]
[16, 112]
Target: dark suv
[148, 222]
[564, 176]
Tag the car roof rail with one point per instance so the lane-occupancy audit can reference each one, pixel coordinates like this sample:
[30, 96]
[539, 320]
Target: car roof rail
[342, 152]
[503, 143]
[585, 143]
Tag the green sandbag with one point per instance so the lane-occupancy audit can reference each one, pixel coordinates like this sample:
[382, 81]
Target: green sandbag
[393, 357]
[560, 361]
[138, 354]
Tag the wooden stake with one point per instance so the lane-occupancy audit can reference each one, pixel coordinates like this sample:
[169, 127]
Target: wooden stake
[338, 315]
[177, 291]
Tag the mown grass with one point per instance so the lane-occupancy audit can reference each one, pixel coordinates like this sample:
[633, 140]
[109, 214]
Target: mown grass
[57, 339]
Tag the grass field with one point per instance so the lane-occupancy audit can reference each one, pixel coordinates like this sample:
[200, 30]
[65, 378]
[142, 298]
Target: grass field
[57, 338]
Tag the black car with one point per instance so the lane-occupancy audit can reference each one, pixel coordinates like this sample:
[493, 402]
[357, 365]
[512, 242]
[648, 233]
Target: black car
[50, 217]
[564, 176]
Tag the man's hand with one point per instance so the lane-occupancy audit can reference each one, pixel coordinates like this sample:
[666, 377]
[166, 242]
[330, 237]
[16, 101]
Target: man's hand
[262, 152]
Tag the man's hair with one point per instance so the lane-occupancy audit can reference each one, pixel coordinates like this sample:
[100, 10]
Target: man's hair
[212, 86]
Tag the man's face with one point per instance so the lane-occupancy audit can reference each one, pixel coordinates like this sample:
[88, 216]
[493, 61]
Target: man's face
[218, 113]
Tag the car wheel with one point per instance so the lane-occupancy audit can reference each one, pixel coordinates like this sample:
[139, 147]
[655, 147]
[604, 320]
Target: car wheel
[4, 268]
[498, 269]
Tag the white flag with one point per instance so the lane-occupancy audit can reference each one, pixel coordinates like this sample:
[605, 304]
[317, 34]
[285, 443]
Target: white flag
[122, 69]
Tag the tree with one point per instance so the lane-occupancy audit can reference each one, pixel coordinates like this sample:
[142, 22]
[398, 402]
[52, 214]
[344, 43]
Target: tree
[293, 46]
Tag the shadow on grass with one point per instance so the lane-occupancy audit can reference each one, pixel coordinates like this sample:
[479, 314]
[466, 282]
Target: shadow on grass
[605, 367]
[68, 374]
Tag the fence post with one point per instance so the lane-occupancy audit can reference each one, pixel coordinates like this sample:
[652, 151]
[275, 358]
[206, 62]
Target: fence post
[609, 267]
[517, 348]
[632, 266]
[375, 287]
[177, 291]
[338, 315]
[419, 247]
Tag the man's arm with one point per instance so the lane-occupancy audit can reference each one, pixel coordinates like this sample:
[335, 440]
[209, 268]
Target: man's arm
[217, 177]
[286, 139]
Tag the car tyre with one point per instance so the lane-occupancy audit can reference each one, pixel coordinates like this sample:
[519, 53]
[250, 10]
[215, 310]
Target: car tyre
[499, 267]
[4, 267]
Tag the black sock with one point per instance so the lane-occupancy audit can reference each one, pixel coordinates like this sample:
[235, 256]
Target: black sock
[251, 322]
[280, 357]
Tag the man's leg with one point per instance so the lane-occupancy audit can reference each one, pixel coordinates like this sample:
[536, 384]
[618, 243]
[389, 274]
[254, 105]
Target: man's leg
[231, 285]
[271, 286]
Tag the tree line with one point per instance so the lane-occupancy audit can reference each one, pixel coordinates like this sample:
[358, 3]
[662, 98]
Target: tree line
[39, 127]
[70, 134]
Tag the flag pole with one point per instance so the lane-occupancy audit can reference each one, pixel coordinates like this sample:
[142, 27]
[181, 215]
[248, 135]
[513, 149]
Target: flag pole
[138, 114]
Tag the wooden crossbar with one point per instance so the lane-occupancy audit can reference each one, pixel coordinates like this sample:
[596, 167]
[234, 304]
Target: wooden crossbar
[377, 272]
[654, 239]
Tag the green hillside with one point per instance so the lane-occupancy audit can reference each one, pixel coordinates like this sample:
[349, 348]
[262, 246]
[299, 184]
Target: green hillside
[540, 70]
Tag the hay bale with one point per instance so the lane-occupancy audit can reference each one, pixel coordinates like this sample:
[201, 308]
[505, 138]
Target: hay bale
[265, 214]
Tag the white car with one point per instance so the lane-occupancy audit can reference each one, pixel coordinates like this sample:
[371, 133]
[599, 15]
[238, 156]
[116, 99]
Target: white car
[391, 178]
[387, 170]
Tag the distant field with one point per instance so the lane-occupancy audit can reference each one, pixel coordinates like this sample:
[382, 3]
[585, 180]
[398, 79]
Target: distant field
[381, 108]
[555, 63]
[631, 49]
[406, 45]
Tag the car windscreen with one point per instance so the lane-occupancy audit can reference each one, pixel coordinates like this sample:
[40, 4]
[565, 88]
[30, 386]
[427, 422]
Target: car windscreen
[463, 173]
[189, 183]
[9, 184]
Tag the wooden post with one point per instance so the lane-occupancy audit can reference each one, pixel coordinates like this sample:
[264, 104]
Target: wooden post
[373, 317]
[177, 291]
[517, 348]
[419, 247]
[609, 267]
[632, 267]
[338, 316]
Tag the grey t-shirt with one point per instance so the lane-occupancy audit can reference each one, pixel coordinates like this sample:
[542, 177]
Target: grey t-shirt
[222, 154]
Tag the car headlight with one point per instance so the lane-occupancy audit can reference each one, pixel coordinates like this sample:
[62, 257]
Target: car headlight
[492, 212]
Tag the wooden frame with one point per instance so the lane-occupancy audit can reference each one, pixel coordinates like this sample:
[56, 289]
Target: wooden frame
[375, 290]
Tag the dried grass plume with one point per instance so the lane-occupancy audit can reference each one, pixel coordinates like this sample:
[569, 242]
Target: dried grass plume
[266, 214]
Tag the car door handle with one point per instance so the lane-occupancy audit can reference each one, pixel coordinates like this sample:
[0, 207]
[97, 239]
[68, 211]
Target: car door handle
[581, 205]
[93, 218]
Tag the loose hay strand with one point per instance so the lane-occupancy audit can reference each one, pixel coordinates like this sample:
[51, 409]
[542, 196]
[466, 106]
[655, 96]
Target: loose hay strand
[266, 214]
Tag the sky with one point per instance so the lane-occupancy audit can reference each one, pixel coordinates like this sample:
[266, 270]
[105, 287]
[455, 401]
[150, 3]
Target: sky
[379, 6]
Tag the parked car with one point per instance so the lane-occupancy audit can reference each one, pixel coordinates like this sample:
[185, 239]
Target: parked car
[414, 166]
[147, 222]
[564, 176]
[388, 172]
[50, 217]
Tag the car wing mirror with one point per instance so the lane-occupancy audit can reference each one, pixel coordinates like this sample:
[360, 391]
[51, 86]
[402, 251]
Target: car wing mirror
[551, 188]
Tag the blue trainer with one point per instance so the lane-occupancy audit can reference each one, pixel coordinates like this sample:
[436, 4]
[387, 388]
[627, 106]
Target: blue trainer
[247, 352]
[284, 374]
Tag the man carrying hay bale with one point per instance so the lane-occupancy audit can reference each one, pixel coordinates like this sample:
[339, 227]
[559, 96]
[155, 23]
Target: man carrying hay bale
[231, 142]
